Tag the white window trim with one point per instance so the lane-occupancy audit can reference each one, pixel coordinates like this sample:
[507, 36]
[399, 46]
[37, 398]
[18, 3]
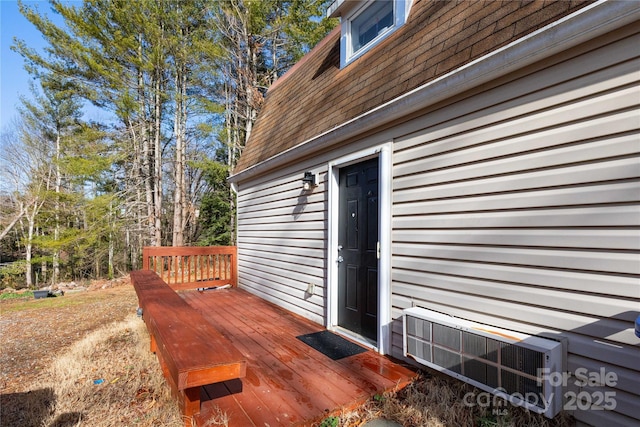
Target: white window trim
[385, 162]
[400, 12]
[349, 23]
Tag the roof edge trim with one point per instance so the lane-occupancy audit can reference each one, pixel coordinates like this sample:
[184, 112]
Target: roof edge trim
[589, 22]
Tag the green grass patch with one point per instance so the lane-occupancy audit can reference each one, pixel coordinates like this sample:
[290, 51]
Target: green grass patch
[16, 295]
[330, 422]
[68, 300]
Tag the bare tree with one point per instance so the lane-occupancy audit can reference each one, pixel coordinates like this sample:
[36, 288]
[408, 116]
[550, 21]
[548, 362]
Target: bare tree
[28, 175]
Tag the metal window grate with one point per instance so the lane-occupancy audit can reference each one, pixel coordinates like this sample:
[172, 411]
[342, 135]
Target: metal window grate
[503, 362]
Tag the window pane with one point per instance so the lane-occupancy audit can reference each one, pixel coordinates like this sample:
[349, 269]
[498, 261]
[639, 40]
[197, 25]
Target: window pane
[369, 24]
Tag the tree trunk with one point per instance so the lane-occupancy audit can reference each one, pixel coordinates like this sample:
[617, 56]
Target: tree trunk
[146, 154]
[56, 232]
[180, 123]
[29, 248]
[111, 243]
[157, 173]
[178, 167]
[31, 219]
[43, 266]
[13, 222]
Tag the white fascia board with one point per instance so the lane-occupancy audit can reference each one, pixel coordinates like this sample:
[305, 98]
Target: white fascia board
[583, 25]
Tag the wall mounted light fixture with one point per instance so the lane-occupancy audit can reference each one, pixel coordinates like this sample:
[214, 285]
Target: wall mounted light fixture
[309, 181]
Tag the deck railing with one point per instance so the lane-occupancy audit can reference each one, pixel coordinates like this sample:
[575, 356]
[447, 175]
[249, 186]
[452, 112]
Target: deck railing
[189, 267]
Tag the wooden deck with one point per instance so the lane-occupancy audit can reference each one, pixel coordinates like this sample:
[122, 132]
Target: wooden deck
[287, 382]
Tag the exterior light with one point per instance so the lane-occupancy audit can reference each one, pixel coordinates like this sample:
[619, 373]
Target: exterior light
[309, 181]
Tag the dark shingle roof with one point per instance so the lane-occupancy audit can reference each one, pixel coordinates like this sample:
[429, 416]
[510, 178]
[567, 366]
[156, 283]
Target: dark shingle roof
[316, 95]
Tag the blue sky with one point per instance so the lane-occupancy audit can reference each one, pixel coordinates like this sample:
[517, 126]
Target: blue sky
[14, 80]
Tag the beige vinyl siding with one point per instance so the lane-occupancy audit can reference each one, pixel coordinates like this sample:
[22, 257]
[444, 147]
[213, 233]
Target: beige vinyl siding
[281, 242]
[519, 207]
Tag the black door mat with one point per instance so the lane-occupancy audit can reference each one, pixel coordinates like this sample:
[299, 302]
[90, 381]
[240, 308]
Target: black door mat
[331, 345]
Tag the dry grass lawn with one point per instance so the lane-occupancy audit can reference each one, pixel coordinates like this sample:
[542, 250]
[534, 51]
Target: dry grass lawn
[438, 401]
[108, 378]
[81, 360]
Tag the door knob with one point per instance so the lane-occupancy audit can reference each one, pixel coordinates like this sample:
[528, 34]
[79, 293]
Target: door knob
[340, 259]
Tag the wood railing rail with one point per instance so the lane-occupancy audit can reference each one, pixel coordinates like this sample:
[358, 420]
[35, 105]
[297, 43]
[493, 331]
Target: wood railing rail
[189, 267]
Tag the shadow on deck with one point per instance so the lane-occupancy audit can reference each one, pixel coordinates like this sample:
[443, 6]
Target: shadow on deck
[287, 382]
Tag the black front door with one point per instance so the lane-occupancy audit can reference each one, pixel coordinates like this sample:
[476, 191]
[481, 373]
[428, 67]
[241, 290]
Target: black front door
[357, 249]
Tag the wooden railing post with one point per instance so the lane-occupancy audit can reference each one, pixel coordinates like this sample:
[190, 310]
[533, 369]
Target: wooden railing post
[234, 267]
[145, 258]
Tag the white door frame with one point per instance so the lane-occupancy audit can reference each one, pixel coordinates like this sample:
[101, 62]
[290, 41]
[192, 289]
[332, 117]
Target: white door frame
[384, 154]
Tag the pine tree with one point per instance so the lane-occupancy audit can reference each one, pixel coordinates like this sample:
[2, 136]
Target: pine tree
[181, 78]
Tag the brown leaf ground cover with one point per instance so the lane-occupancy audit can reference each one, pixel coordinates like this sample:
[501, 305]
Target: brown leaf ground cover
[34, 331]
[81, 359]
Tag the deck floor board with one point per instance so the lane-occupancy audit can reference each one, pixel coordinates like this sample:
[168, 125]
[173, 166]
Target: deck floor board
[287, 382]
[321, 373]
[274, 373]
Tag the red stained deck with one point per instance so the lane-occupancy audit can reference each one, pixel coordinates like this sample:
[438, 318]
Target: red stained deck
[287, 382]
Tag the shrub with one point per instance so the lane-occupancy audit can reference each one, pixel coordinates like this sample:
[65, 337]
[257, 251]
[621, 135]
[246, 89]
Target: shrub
[13, 274]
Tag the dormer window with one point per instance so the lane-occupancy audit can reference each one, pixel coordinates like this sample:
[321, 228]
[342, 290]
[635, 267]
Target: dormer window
[365, 23]
[373, 21]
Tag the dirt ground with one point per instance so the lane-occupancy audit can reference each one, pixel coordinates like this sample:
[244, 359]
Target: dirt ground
[32, 332]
